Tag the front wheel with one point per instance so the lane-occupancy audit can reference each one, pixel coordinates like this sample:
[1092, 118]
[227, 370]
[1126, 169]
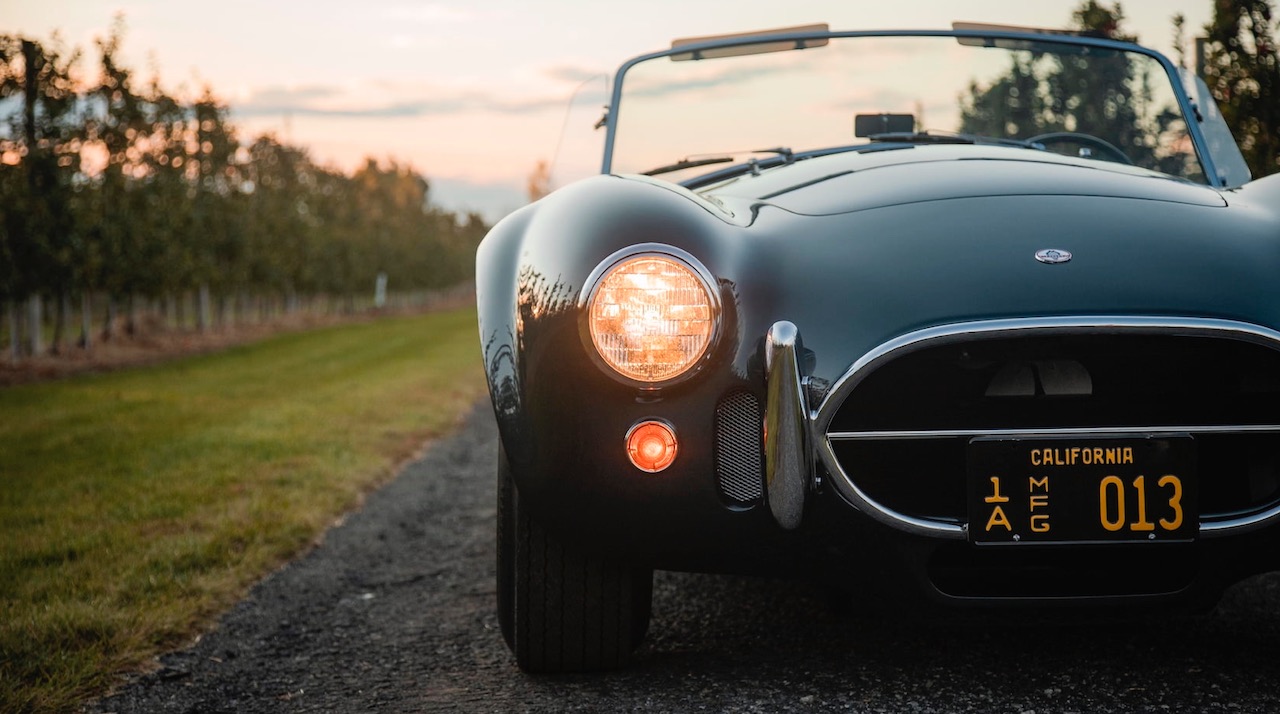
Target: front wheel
[562, 608]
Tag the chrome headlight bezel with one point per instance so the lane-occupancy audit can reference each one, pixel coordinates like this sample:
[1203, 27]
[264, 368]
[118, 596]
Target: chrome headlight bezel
[662, 251]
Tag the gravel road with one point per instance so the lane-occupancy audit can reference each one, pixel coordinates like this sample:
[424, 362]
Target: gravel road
[394, 613]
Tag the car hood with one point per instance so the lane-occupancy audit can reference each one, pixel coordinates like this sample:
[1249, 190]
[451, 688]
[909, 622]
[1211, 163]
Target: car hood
[933, 252]
[896, 175]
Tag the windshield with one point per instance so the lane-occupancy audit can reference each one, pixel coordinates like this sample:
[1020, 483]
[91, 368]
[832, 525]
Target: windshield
[1085, 101]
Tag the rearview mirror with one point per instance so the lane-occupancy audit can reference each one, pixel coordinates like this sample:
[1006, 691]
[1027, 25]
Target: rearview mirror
[870, 124]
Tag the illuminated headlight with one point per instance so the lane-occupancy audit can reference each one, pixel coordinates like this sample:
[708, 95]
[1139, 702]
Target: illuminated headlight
[652, 317]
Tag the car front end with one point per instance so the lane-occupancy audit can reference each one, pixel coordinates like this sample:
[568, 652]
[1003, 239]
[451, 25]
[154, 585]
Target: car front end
[978, 369]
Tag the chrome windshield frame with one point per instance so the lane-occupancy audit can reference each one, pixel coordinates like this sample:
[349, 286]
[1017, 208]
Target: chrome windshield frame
[1171, 72]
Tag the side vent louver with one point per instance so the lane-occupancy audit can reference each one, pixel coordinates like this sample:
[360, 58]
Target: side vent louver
[739, 454]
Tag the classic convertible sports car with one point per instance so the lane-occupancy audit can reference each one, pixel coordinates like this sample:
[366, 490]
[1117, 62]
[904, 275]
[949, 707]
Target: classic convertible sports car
[986, 315]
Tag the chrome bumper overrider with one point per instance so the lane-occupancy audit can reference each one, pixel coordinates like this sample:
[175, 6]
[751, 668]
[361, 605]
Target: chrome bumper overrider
[787, 465]
[791, 427]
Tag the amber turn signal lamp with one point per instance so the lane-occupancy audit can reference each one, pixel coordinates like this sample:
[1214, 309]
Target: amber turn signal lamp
[651, 446]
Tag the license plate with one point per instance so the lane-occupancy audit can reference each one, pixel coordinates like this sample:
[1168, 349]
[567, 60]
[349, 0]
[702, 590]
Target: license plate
[1082, 490]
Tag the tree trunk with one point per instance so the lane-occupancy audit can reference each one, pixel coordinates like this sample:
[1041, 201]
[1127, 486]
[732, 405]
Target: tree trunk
[131, 321]
[15, 332]
[170, 310]
[109, 328]
[86, 320]
[222, 311]
[60, 319]
[202, 314]
[35, 325]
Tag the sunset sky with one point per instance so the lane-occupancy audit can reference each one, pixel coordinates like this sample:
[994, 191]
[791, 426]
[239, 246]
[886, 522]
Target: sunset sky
[471, 93]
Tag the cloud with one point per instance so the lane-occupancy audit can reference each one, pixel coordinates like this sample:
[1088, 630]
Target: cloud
[876, 99]
[492, 199]
[574, 75]
[432, 14]
[639, 88]
[334, 101]
[558, 86]
[294, 95]
[370, 100]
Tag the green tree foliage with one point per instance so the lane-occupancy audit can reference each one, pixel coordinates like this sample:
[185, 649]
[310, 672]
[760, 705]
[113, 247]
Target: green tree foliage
[124, 190]
[1242, 69]
[40, 148]
[118, 129]
[1103, 94]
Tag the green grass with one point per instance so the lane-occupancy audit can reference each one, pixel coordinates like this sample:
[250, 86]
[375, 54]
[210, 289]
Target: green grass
[136, 506]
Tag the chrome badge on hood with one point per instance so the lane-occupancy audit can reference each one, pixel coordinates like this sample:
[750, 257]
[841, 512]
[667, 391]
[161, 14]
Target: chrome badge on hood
[1053, 255]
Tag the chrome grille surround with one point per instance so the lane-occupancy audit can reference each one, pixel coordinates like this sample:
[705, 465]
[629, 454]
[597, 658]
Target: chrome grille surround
[823, 416]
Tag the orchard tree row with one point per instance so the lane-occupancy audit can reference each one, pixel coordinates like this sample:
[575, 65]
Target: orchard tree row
[117, 197]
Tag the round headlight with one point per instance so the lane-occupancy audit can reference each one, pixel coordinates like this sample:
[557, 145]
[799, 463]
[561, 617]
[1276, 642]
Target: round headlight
[651, 317]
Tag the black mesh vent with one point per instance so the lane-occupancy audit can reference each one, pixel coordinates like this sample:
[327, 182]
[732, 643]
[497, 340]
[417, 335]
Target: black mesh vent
[739, 461]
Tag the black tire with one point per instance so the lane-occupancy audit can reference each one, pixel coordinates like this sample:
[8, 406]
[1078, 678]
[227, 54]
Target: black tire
[506, 552]
[562, 609]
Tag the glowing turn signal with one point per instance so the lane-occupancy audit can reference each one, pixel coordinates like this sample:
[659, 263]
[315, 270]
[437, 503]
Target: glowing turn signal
[651, 446]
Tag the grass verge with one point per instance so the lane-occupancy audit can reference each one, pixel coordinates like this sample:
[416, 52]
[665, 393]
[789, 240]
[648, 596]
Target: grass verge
[135, 506]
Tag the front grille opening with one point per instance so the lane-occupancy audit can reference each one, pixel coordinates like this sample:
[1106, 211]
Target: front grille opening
[1025, 383]
[1239, 473]
[1069, 380]
[962, 570]
[923, 478]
